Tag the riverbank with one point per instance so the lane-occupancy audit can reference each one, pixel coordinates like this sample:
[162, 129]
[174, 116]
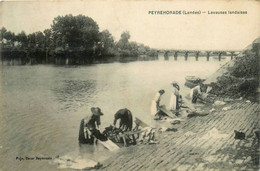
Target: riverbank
[24, 60]
[192, 147]
[208, 142]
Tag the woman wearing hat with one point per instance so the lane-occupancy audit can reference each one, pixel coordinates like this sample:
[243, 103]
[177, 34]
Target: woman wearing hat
[89, 127]
[175, 95]
[94, 121]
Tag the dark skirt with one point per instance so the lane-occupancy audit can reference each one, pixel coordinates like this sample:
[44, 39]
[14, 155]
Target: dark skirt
[95, 134]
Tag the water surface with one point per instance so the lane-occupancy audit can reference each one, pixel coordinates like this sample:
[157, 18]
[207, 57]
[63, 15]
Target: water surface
[42, 105]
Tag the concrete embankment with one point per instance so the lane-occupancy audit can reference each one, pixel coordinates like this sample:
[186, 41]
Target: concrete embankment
[201, 143]
[206, 143]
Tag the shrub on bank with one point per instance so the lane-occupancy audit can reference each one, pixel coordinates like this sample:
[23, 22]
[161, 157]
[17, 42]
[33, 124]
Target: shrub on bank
[241, 78]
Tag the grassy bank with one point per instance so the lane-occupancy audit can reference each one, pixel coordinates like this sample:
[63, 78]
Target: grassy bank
[240, 76]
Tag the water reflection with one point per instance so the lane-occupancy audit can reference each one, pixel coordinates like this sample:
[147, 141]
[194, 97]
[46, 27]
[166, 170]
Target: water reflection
[74, 93]
[96, 152]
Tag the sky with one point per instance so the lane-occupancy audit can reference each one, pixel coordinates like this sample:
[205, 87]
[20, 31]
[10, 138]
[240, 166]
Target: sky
[188, 32]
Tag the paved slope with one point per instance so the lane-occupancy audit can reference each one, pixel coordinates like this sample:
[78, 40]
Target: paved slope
[186, 149]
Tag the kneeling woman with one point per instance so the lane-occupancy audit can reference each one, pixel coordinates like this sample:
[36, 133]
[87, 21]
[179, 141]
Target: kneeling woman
[196, 92]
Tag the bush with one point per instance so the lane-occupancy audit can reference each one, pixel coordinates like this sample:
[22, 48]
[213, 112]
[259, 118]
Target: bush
[242, 78]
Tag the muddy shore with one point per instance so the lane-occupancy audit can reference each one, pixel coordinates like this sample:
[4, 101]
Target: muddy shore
[197, 146]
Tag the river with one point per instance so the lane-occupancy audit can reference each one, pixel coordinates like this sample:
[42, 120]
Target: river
[42, 105]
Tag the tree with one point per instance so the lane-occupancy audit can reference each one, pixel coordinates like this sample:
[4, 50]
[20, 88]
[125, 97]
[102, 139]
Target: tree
[152, 53]
[22, 38]
[39, 40]
[48, 43]
[106, 44]
[36, 49]
[77, 34]
[31, 41]
[2, 33]
[133, 47]
[124, 40]
[142, 49]
[8, 36]
[75, 31]
[48, 38]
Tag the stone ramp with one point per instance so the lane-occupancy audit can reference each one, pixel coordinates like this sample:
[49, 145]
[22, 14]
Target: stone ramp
[188, 149]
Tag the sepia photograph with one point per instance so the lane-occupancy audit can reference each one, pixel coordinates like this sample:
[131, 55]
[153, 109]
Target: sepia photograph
[137, 85]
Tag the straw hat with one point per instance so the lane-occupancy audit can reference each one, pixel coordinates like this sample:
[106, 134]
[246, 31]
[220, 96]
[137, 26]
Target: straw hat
[96, 111]
[174, 83]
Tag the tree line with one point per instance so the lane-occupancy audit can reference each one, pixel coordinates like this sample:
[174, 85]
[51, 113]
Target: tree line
[70, 40]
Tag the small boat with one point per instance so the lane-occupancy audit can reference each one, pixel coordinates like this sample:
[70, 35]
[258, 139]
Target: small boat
[192, 81]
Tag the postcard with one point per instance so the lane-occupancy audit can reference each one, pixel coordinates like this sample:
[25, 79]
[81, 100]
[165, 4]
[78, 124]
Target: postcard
[129, 85]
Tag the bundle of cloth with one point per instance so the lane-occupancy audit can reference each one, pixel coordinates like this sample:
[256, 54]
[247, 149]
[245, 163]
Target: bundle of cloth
[112, 131]
[115, 135]
[148, 135]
